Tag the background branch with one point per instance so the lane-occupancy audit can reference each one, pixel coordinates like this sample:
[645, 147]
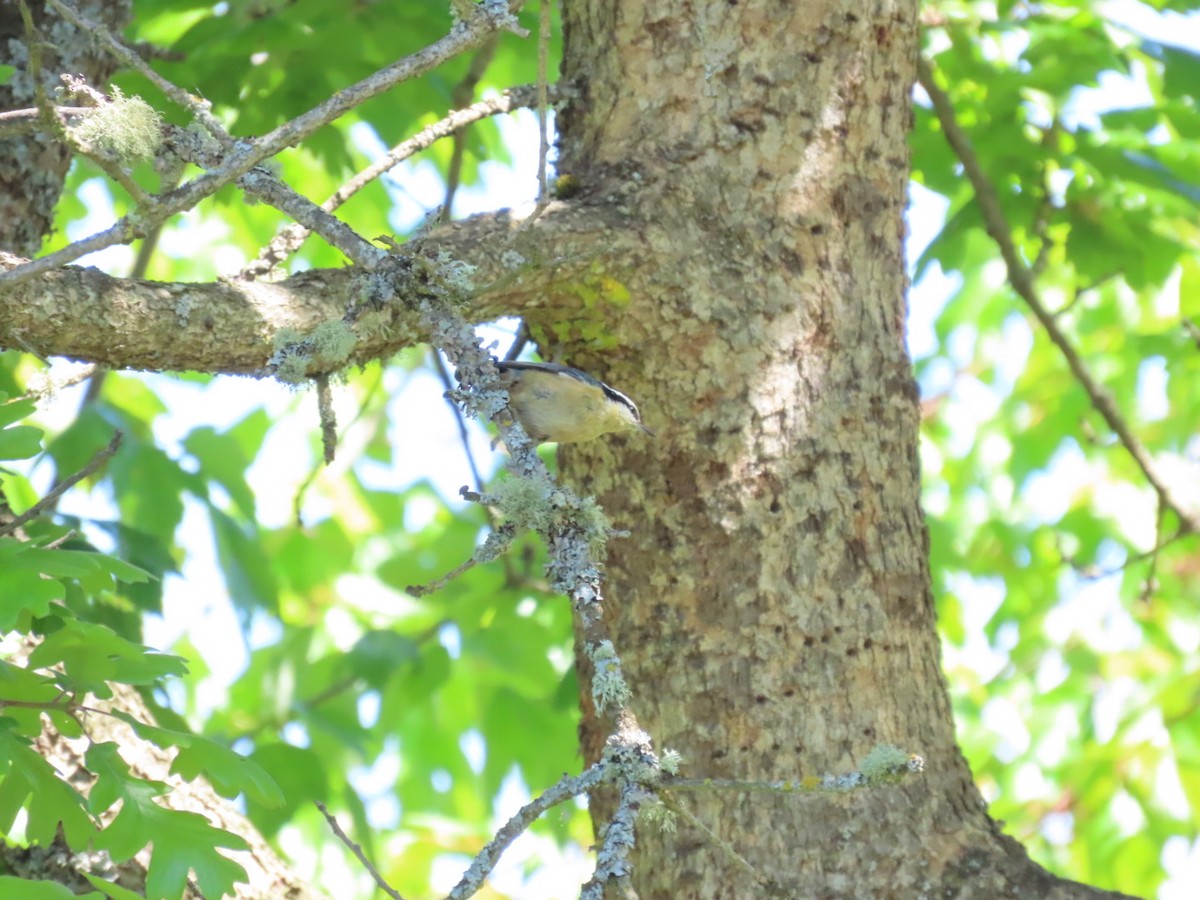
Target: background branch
[100, 458]
[1022, 279]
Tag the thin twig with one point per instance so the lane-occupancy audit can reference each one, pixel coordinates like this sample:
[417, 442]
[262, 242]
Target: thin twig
[32, 114]
[329, 432]
[485, 860]
[1150, 582]
[498, 541]
[315, 471]
[1041, 219]
[1092, 573]
[460, 97]
[357, 851]
[145, 250]
[200, 109]
[245, 155]
[14, 122]
[519, 342]
[45, 386]
[1193, 330]
[60, 540]
[52, 496]
[290, 238]
[542, 81]
[1022, 280]
[91, 393]
[723, 845]
[543, 194]
[612, 859]
[464, 436]
[111, 167]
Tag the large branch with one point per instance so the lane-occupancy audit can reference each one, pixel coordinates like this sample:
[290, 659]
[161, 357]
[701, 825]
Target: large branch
[232, 326]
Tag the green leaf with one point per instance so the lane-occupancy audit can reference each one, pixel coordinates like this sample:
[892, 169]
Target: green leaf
[92, 655]
[22, 589]
[52, 803]
[81, 564]
[182, 840]
[221, 458]
[149, 487]
[59, 563]
[247, 570]
[109, 889]
[378, 654]
[228, 771]
[15, 410]
[25, 889]
[20, 442]
[302, 779]
[75, 446]
[40, 692]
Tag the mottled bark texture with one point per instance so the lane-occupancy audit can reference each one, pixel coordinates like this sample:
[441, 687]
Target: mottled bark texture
[773, 605]
[733, 261]
[32, 167]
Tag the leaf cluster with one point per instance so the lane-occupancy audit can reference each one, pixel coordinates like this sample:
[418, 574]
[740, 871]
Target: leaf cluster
[1055, 562]
[48, 592]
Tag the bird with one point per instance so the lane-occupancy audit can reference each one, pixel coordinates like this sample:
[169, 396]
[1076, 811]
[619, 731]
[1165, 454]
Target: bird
[558, 404]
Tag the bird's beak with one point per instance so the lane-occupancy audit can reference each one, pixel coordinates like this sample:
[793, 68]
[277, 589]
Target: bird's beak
[647, 430]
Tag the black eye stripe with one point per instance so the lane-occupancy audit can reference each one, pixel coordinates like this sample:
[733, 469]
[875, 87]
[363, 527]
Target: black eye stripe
[617, 397]
[554, 368]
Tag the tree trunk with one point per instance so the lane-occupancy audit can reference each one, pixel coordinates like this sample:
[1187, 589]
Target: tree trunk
[773, 605]
[32, 167]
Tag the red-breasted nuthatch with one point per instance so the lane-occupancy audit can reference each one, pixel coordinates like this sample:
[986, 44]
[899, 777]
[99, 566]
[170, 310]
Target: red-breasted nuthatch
[560, 404]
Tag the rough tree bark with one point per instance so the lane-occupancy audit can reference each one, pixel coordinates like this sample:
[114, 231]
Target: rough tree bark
[32, 167]
[773, 606]
[742, 168]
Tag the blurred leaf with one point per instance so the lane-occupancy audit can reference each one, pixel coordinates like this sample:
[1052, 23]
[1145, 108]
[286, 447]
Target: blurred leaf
[247, 570]
[26, 889]
[182, 841]
[92, 655]
[30, 782]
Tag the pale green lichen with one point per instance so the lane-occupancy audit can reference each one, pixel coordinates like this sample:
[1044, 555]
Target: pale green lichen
[291, 368]
[609, 688]
[183, 309]
[589, 515]
[670, 761]
[326, 348]
[528, 503]
[596, 293]
[884, 761]
[127, 128]
[333, 342]
[524, 502]
[457, 275]
[511, 259]
[657, 816]
[285, 337]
